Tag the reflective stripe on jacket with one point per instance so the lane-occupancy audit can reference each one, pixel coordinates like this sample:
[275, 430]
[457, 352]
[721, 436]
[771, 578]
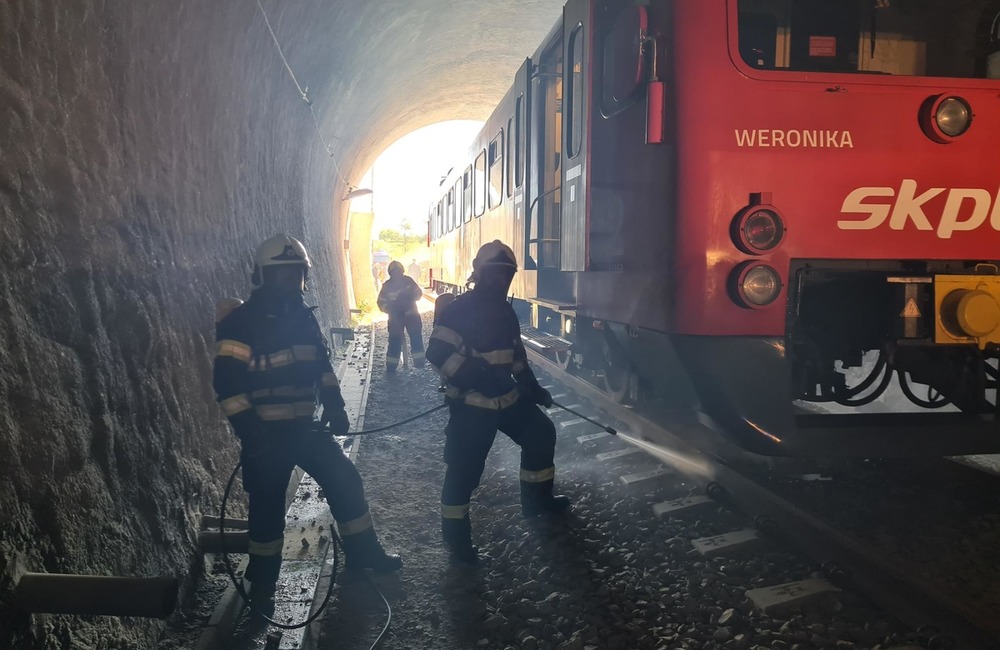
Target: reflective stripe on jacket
[476, 345]
[272, 364]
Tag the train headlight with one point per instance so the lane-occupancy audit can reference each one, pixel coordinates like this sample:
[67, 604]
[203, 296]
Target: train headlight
[945, 117]
[758, 230]
[755, 285]
[953, 117]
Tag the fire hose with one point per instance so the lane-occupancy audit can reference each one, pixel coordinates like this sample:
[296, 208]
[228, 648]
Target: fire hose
[335, 539]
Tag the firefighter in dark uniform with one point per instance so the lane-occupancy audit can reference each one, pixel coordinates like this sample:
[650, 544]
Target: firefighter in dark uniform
[398, 298]
[272, 369]
[476, 345]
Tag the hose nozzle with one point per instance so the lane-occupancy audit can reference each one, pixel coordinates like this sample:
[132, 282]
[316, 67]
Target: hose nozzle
[610, 430]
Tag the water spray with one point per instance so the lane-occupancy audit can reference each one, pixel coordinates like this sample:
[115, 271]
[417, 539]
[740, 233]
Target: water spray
[690, 463]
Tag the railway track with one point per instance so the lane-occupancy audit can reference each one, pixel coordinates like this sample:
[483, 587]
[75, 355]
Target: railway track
[728, 474]
[657, 450]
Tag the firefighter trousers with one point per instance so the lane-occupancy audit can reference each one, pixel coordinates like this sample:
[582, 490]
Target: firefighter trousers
[469, 436]
[267, 467]
[410, 322]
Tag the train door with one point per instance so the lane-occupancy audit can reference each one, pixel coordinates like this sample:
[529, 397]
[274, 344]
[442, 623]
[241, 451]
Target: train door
[544, 214]
[573, 238]
[516, 141]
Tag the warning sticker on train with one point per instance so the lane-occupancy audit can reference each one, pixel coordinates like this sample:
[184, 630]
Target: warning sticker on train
[911, 310]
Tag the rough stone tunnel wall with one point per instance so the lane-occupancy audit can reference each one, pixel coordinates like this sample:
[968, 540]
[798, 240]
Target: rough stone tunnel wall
[146, 148]
[140, 167]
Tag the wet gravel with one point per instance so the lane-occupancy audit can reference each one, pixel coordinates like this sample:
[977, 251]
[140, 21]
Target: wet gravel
[939, 518]
[611, 575]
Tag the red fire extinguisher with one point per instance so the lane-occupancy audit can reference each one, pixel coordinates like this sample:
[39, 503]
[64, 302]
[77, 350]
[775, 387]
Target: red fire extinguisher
[655, 98]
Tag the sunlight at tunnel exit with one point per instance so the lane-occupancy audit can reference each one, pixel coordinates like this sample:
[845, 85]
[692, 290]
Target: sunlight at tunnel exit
[405, 176]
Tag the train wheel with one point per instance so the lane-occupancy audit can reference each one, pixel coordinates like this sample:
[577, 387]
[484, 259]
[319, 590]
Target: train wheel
[618, 376]
[565, 360]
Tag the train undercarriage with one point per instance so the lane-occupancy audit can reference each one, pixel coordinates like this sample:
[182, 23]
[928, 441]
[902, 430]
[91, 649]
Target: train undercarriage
[869, 365]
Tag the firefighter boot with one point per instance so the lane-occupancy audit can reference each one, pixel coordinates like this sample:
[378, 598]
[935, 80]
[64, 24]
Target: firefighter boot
[363, 551]
[418, 358]
[537, 499]
[261, 595]
[457, 534]
[262, 572]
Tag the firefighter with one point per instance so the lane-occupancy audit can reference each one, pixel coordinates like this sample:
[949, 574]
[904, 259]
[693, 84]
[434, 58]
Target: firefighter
[272, 368]
[398, 298]
[476, 345]
[414, 271]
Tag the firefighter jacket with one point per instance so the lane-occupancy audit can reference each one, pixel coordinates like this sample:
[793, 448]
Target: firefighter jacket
[272, 365]
[399, 295]
[476, 345]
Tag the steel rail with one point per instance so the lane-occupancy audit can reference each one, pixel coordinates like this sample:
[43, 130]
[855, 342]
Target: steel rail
[889, 583]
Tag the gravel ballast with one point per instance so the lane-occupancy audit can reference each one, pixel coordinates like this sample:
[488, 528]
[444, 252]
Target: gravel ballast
[609, 575]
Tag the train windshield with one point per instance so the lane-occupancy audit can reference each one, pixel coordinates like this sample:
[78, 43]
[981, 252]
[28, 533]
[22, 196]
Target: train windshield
[927, 38]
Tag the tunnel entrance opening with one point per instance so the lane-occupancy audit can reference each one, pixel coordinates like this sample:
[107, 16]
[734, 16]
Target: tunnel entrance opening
[393, 223]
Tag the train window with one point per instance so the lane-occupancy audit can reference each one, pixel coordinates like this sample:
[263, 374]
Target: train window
[574, 119]
[510, 158]
[479, 185]
[449, 211]
[442, 218]
[467, 194]
[519, 142]
[496, 171]
[456, 205]
[623, 68]
[932, 38]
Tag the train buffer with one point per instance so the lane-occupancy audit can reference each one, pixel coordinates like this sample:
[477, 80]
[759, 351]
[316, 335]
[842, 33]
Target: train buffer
[542, 342]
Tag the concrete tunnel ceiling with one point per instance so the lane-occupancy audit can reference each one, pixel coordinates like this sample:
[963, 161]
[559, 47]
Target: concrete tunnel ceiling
[393, 67]
[147, 148]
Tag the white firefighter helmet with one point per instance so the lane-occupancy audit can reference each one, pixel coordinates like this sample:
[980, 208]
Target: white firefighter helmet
[492, 254]
[278, 251]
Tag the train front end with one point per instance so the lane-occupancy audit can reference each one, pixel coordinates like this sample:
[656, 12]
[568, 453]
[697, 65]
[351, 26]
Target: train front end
[838, 222]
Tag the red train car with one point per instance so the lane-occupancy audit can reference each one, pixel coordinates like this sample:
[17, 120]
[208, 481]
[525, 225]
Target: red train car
[781, 214]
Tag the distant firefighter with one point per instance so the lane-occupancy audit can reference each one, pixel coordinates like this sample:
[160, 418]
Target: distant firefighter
[378, 275]
[398, 298]
[414, 271]
[272, 366]
[476, 344]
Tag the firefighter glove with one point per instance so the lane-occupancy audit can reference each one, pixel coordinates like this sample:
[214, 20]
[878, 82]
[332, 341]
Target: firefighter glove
[339, 423]
[249, 430]
[542, 397]
[251, 436]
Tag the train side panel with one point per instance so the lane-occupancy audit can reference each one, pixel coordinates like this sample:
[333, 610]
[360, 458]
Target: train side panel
[500, 145]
